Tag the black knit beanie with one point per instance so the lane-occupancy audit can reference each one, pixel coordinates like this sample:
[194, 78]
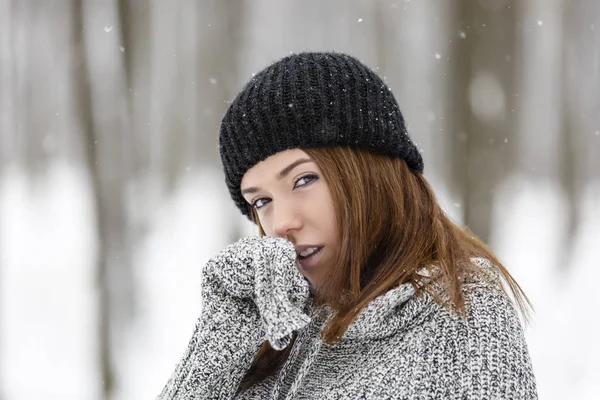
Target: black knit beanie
[310, 100]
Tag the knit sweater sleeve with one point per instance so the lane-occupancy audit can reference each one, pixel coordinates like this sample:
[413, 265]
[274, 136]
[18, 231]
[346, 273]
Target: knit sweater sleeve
[484, 356]
[251, 292]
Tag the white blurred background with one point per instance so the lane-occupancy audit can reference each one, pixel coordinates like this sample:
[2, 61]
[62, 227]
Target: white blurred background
[112, 196]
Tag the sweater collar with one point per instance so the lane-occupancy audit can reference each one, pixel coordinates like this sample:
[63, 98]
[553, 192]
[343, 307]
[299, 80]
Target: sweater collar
[401, 308]
[396, 310]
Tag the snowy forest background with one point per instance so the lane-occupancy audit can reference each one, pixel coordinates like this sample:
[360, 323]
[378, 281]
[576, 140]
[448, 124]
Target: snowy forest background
[112, 197]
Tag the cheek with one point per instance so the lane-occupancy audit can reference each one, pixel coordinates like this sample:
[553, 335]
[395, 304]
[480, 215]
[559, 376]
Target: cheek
[266, 225]
[267, 230]
[327, 215]
[332, 225]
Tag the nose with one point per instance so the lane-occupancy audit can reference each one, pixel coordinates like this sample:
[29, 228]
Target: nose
[286, 219]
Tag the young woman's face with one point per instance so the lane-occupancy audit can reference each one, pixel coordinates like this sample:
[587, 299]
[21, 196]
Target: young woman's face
[292, 201]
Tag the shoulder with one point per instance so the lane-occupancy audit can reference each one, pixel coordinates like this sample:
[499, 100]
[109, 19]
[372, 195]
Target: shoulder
[484, 353]
[486, 301]
[490, 316]
[488, 304]
[489, 311]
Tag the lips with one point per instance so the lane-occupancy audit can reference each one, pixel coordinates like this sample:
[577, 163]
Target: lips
[309, 260]
[308, 252]
[301, 248]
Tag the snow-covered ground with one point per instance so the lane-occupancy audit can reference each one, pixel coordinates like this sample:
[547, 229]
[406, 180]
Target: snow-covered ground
[561, 281]
[47, 293]
[48, 298]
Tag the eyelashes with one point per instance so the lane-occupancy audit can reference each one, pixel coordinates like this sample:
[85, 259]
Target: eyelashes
[256, 205]
[309, 178]
[302, 181]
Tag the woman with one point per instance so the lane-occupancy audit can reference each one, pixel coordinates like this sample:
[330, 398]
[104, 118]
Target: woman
[359, 285]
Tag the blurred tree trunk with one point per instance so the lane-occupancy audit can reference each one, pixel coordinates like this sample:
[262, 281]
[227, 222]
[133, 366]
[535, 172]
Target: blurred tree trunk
[84, 111]
[7, 122]
[486, 97]
[39, 127]
[215, 67]
[103, 111]
[538, 160]
[32, 112]
[415, 42]
[135, 47]
[7, 84]
[219, 29]
[187, 70]
[582, 104]
[536, 152]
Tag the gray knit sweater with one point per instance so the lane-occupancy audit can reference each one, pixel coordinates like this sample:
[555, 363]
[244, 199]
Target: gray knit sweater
[401, 346]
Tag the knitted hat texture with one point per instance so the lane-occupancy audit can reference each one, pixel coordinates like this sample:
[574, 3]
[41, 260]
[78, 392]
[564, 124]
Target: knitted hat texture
[310, 100]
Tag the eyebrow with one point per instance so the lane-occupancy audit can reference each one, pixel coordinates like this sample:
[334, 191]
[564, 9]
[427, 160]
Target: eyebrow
[284, 172]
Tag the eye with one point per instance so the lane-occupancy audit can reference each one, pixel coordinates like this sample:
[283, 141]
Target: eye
[300, 182]
[260, 203]
[305, 180]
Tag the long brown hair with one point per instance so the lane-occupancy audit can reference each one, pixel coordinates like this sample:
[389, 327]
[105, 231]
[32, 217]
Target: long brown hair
[390, 227]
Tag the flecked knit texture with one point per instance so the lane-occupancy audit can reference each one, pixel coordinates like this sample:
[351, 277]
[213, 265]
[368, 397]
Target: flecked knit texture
[310, 100]
[401, 346]
[252, 291]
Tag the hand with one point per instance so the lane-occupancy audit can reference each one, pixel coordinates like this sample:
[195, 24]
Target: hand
[263, 270]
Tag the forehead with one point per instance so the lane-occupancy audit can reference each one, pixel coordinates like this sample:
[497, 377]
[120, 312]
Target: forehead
[271, 166]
